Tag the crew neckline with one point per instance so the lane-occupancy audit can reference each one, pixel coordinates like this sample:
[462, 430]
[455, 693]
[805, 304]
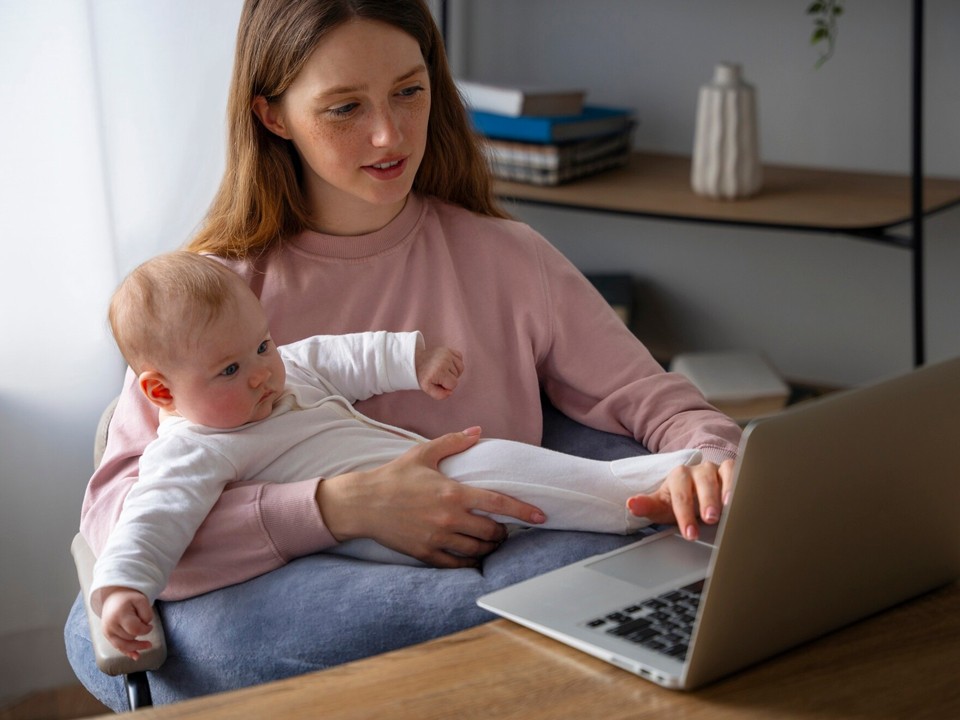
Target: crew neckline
[354, 247]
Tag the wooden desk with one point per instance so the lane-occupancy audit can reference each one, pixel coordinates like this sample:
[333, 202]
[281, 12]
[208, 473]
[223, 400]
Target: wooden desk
[904, 663]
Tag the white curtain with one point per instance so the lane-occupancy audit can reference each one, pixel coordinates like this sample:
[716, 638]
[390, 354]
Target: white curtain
[111, 146]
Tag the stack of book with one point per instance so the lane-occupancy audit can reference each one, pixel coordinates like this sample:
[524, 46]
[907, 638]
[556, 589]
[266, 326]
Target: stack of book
[546, 136]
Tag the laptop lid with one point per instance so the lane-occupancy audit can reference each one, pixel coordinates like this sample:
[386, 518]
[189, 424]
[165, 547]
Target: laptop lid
[842, 507]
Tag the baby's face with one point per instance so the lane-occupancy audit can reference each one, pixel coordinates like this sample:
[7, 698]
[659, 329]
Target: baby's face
[233, 374]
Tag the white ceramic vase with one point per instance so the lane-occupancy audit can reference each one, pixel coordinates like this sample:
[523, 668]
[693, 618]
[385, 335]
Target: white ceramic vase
[726, 150]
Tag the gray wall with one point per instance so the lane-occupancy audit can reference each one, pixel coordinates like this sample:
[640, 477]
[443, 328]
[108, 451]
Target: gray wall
[825, 308]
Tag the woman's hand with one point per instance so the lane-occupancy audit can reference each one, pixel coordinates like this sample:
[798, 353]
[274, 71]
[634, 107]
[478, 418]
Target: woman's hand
[409, 506]
[705, 486]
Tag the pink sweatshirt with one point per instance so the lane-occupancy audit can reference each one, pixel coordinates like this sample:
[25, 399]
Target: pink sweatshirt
[496, 290]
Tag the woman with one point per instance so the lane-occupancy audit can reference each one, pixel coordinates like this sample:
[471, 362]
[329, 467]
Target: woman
[355, 198]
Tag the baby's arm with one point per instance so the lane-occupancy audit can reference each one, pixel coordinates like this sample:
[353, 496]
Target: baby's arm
[181, 478]
[126, 616]
[438, 371]
[359, 365]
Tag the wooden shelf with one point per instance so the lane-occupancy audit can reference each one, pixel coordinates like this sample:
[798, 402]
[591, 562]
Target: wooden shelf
[658, 186]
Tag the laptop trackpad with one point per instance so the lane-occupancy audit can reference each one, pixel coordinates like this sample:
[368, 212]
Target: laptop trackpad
[655, 563]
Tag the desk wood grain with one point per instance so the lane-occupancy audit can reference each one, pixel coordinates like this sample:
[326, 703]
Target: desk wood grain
[904, 663]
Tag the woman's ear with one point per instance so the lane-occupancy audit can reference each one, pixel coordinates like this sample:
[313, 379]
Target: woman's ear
[271, 118]
[155, 387]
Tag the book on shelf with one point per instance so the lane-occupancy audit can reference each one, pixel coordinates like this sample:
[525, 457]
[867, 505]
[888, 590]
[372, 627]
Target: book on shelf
[556, 156]
[743, 385]
[521, 100]
[553, 164]
[555, 176]
[594, 121]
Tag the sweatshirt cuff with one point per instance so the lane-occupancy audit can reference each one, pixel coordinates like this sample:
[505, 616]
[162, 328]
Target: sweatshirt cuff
[291, 518]
[714, 454]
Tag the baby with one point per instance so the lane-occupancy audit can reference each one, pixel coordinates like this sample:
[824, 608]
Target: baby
[234, 406]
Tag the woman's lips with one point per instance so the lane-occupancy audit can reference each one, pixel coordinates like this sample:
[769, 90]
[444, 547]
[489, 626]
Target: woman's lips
[387, 169]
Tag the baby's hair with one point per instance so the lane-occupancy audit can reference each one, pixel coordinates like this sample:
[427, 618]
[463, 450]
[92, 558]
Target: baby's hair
[159, 307]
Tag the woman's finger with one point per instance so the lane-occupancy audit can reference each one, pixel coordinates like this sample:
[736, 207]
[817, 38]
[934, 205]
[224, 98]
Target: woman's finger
[432, 452]
[682, 491]
[494, 503]
[726, 481]
[707, 481]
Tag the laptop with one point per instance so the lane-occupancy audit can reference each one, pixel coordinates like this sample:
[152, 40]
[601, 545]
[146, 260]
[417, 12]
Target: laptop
[842, 507]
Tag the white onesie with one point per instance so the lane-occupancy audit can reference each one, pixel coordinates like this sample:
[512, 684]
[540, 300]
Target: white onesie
[314, 431]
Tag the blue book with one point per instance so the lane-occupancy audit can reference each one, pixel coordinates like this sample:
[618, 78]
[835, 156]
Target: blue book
[592, 122]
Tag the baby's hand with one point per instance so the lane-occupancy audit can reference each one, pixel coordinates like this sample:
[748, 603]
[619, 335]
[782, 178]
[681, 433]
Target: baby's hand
[126, 615]
[438, 371]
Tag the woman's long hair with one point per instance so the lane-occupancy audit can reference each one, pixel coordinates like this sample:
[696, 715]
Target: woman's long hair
[259, 202]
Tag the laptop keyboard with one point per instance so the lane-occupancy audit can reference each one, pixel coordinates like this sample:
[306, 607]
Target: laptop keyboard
[662, 623]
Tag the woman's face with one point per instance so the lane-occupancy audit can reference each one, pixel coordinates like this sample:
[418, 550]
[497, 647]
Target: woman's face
[357, 114]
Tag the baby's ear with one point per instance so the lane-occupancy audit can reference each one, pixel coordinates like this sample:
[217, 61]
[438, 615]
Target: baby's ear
[154, 386]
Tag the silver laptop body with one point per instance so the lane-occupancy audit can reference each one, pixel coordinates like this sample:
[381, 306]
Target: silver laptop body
[842, 507]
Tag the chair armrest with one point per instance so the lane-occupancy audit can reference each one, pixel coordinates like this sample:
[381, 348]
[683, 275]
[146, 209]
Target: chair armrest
[103, 428]
[109, 659]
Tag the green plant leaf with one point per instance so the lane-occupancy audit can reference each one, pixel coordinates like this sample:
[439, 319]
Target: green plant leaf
[824, 14]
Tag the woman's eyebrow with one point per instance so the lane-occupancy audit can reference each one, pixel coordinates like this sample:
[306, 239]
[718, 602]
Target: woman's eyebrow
[420, 68]
[347, 89]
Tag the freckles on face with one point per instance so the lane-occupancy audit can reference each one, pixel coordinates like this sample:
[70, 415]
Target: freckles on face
[358, 119]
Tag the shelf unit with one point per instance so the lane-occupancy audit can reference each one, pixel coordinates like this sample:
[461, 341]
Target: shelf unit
[864, 205]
